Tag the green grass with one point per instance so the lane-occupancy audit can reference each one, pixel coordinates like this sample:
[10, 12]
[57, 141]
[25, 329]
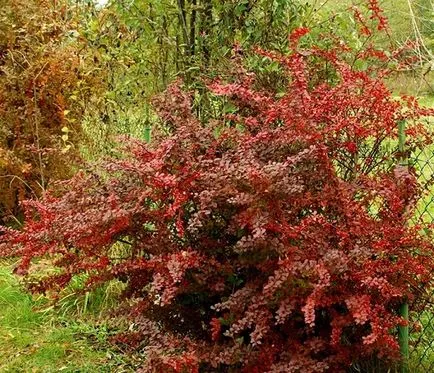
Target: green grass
[33, 338]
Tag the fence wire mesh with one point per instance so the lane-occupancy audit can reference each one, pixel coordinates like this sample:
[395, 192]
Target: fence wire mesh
[421, 341]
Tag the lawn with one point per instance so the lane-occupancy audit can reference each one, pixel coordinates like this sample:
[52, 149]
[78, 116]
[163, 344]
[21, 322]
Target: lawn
[34, 338]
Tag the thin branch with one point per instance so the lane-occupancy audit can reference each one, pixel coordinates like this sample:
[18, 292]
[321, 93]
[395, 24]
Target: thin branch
[125, 242]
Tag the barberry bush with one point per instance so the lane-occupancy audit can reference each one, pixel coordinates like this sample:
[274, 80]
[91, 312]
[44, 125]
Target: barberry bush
[273, 240]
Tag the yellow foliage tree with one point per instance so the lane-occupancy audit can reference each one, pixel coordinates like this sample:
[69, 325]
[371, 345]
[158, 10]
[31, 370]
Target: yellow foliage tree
[43, 91]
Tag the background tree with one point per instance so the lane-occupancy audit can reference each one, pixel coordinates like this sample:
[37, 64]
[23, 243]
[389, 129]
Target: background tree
[44, 91]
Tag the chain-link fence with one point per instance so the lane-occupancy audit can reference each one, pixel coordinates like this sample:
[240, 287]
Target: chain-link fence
[417, 341]
[421, 332]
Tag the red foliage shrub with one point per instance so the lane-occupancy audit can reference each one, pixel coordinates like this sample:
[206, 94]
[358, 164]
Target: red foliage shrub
[276, 243]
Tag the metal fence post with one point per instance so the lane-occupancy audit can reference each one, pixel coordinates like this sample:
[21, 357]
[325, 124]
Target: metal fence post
[403, 338]
[403, 310]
